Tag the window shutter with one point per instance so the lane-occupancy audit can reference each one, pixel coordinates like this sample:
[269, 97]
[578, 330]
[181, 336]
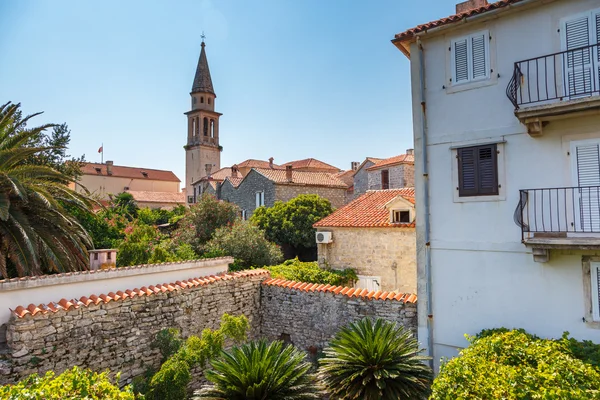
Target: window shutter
[579, 69]
[461, 61]
[588, 176]
[257, 199]
[467, 172]
[480, 55]
[478, 171]
[595, 278]
[488, 170]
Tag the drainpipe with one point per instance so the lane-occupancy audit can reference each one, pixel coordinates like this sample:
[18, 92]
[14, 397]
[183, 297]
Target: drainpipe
[424, 158]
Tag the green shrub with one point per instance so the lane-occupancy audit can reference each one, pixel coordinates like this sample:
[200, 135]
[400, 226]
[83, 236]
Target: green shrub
[73, 384]
[516, 365]
[168, 341]
[310, 272]
[246, 243]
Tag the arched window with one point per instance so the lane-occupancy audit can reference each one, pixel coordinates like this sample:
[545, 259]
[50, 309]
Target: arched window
[193, 126]
[193, 100]
[208, 100]
[201, 99]
[197, 132]
[212, 128]
[205, 126]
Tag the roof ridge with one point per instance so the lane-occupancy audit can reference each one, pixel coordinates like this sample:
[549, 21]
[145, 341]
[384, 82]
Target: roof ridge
[85, 301]
[343, 290]
[127, 166]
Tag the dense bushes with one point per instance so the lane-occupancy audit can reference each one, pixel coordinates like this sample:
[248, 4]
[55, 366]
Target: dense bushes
[73, 384]
[515, 365]
[310, 272]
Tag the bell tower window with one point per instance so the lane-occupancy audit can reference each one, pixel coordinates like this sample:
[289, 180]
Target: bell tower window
[194, 126]
[201, 99]
[205, 126]
[212, 128]
[208, 100]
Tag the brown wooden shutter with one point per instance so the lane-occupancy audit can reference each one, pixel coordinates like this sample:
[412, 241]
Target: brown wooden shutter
[478, 171]
[385, 179]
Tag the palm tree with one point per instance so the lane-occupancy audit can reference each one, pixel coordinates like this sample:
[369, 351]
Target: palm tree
[260, 370]
[37, 234]
[374, 361]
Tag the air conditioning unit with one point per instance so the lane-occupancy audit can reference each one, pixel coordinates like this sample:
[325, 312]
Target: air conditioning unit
[324, 237]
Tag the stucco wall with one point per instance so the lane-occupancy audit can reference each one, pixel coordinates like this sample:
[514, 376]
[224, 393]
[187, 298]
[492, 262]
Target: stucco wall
[245, 194]
[103, 185]
[386, 252]
[337, 196]
[400, 176]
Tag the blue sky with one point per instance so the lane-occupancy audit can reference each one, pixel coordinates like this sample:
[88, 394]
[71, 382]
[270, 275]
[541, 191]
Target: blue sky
[294, 79]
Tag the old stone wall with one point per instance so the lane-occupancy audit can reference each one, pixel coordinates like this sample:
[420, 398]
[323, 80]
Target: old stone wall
[115, 330]
[309, 319]
[400, 176]
[361, 179]
[245, 194]
[337, 196]
[388, 253]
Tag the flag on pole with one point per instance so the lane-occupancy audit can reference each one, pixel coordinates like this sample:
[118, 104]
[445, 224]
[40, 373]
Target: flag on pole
[101, 149]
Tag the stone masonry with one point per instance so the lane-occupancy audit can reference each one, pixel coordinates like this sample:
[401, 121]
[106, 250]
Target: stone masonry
[337, 196]
[244, 196]
[400, 176]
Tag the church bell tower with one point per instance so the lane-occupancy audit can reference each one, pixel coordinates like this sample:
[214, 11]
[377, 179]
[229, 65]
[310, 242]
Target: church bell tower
[202, 151]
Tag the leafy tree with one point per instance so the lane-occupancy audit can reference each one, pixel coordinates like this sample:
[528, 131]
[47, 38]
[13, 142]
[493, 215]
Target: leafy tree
[37, 233]
[310, 272]
[202, 220]
[261, 370]
[375, 361]
[125, 204]
[291, 223]
[246, 243]
[105, 227]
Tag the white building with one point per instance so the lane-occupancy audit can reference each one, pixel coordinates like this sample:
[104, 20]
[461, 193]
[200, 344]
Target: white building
[512, 106]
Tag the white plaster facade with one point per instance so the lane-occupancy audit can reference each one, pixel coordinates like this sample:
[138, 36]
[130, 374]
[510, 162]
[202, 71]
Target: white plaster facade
[482, 275]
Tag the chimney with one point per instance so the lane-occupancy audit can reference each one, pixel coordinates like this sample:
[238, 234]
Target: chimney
[234, 171]
[271, 162]
[470, 5]
[410, 152]
[288, 173]
[109, 165]
[208, 169]
[354, 165]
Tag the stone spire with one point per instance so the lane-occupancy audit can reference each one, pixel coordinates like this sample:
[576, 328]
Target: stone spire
[202, 80]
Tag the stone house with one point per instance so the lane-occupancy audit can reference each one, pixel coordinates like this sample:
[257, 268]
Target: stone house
[312, 165]
[361, 177]
[374, 234]
[392, 173]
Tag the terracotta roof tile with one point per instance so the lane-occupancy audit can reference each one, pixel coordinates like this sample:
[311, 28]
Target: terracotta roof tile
[64, 304]
[306, 178]
[311, 163]
[396, 160]
[368, 211]
[346, 176]
[235, 182]
[251, 163]
[342, 291]
[158, 197]
[121, 171]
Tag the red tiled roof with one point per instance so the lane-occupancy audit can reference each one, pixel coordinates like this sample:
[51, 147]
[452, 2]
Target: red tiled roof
[368, 211]
[84, 301]
[396, 160]
[346, 176]
[307, 178]
[235, 181]
[311, 163]
[158, 197]
[220, 175]
[341, 290]
[411, 33]
[130, 172]
[251, 163]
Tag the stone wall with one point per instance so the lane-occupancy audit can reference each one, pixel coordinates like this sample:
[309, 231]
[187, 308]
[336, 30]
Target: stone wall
[400, 176]
[115, 331]
[361, 179]
[389, 253]
[337, 196]
[244, 196]
[309, 318]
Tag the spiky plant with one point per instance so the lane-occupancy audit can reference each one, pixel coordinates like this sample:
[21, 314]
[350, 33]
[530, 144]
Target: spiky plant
[37, 234]
[374, 361]
[260, 370]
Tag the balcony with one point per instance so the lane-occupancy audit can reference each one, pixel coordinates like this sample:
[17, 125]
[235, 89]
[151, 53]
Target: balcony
[559, 218]
[556, 86]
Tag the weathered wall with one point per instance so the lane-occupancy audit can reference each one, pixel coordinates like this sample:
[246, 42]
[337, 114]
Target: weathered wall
[103, 185]
[401, 176]
[386, 252]
[115, 331]
[311, 316]
[337, 196]
[361, 179]
[244, 196]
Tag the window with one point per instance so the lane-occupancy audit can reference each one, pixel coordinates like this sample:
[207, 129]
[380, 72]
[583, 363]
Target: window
[260, 199]
[243, 215]
[595, 281]
[201, 99]
[477, 171]
[212, 128]
[208, 100]
[95, 256]
[109, 256]
[205, 126]
[470, 58]
[400, 216]
[193, 100]
[385, 179]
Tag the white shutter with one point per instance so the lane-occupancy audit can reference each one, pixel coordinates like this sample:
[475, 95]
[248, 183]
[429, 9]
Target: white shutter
[257, 199]
[460, 57]
[587, 156]
[595, 278]
[480, 56]
[596, 19]
[579, 62]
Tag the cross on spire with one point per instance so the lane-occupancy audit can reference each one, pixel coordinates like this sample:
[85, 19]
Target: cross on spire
[203, 36]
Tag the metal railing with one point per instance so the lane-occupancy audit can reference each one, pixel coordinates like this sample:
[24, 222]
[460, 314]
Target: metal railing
[556, 77]
[558, 211]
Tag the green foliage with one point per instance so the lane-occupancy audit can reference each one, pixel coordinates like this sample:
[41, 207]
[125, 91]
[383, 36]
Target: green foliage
[260, 370]
[105, 226]
[159, 216]
[292, 222]
[73, 384]
[170, 382]
[515, 365]
[246, 243]
[310, 272]
[374, 361]
[37, 233]
[126, 204]
[202, 219]
[168, 341]
[586, 350]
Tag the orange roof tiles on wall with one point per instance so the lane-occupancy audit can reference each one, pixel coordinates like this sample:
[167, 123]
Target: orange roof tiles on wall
[341, 290]
[396, 160]
[307, 178]
[120, 171]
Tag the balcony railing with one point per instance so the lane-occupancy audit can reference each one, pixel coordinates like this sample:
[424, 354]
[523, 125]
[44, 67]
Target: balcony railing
[559, 212]
[560, 76]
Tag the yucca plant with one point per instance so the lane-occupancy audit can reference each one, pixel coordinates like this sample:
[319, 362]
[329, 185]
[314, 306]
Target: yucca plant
[37, 234]
[374, 361]
[260, 370]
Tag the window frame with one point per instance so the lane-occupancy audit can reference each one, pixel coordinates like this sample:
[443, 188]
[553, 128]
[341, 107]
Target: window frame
[590, 291]
[478, 191]
[387, 174]
[469, 39]
[260, 199]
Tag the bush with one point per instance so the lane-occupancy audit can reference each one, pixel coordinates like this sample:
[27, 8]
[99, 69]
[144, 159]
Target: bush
[310, 272]
[246, 243]
[168, 341]
[516, 365]
[73, 384]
